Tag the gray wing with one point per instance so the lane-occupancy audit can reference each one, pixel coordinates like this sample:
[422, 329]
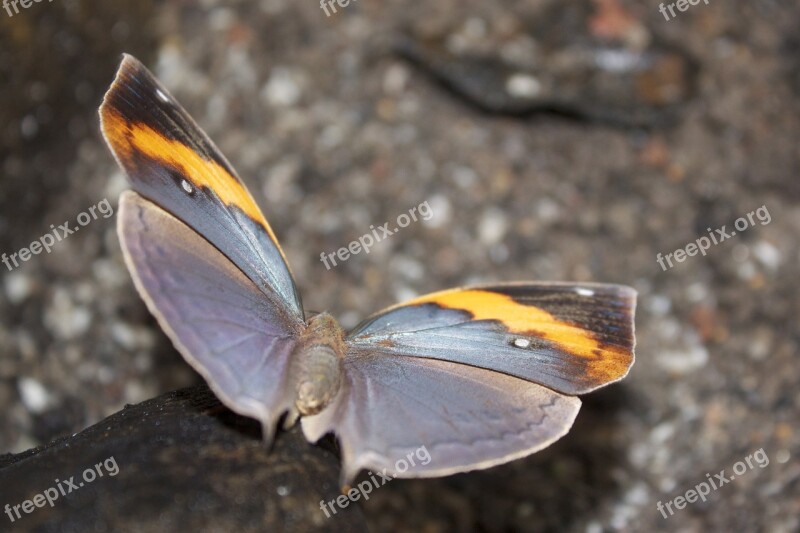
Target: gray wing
[218, 319]
[443, 417]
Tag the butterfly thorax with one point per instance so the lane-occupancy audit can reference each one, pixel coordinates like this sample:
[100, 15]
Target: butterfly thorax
[317, 364]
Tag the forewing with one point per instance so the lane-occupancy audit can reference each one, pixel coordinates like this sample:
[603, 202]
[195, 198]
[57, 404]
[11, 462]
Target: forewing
[571, 338]
[221, 323]
[420, 417]
[170, 161]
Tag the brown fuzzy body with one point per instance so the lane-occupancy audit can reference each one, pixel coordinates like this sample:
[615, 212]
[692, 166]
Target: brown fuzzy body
[318, 364]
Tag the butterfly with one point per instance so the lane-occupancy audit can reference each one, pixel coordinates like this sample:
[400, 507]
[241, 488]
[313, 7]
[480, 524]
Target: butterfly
[478, 376]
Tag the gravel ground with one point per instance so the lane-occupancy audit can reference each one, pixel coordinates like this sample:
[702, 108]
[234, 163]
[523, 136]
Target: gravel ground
[332, 133]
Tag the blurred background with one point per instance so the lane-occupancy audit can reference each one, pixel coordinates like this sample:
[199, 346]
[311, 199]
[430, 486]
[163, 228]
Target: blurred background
[551, 142]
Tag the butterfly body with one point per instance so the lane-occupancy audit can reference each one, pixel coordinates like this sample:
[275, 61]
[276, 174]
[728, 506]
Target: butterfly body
[478, 376]
[318, 364]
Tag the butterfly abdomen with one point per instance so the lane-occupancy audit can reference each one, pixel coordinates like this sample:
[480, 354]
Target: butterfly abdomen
[317, 364]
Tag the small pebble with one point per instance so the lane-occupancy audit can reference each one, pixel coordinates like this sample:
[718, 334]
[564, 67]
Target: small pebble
[682, 362]
[768, 254]
[65, 319]
[33, 394]
[282, 89]
[492, 226]
[442, 210]
[18, 287]
[523, 86]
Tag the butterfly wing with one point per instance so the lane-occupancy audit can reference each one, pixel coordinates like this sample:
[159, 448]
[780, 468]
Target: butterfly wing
[170, 161]
[220, 321]
[477, 376]
[571, 338]
[392, 410]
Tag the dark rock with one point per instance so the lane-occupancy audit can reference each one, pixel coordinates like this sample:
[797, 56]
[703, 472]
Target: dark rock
[181, 461]
[570, 73]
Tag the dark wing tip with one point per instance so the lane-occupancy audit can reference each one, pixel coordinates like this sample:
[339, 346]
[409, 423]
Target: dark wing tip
[604, 312]
[128, 67]
[132, 98]
[132, 86]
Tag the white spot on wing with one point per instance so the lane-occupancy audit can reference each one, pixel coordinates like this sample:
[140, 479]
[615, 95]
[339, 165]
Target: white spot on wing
[584, 292]
[187, 186]
[162, 96]
[522, 343]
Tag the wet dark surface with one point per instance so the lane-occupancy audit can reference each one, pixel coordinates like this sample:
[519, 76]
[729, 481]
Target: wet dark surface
[334, 131]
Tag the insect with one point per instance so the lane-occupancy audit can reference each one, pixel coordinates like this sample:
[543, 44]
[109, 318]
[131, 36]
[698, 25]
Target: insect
[479, 376]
